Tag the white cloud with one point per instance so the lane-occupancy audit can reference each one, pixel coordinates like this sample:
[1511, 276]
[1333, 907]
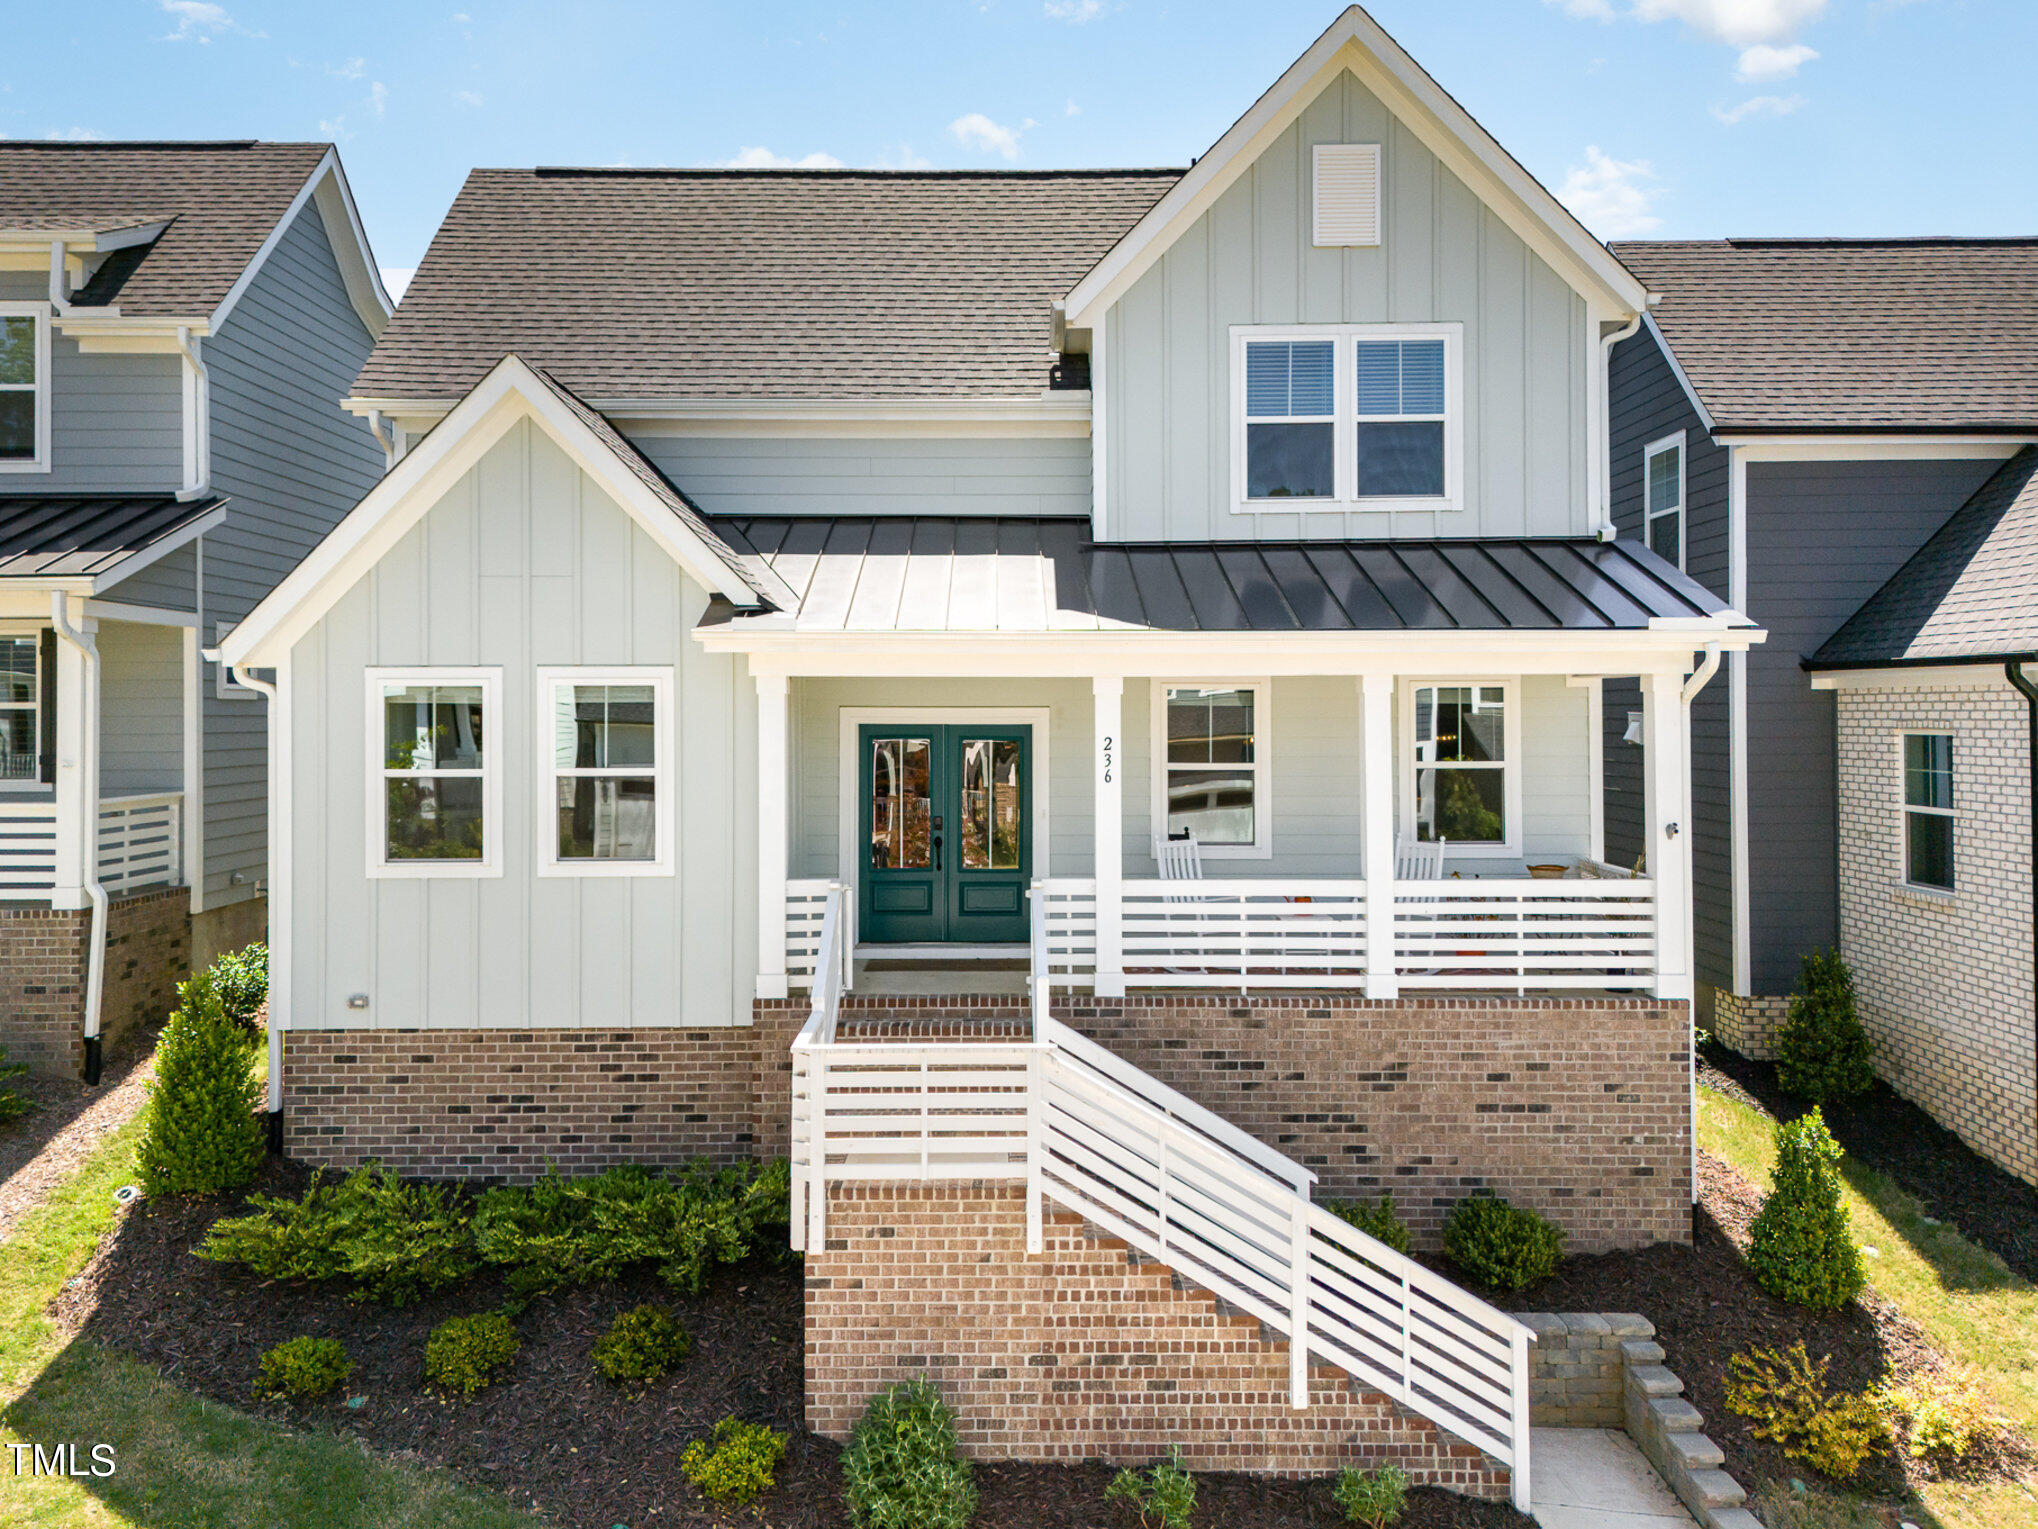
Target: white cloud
[976, 131]
[1758, 106]
[461, 18]
[1585, 10]
[904, 158]
[1612, 197]
[378, 97]
[1074, 12]
[334, 128]
[467, 97]
[352, 69]
[1767, 61]
[759, 158]
[1072, 110]
[396, 279]
[199, 21]
[1738, 23]
[75, 135]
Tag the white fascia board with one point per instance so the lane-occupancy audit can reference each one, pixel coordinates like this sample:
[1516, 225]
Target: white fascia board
[1677, 370]
[1059, 414]
[1356, 42]
[1911, 677]
[1870, 447]
[350, 250]
[104, 332]
[160, 548]
[510, 392]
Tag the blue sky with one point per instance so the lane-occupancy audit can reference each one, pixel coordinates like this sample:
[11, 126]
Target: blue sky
[1657, 118]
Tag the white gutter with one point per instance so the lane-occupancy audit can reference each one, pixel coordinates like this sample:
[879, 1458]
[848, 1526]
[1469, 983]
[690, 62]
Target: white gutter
[1707, 668]
[59, 281]
[385, 437]
[1604, 530]
[201, 426]
[268, 689]
[95, 968]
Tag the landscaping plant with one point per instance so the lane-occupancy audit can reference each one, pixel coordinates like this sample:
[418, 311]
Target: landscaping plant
[902, 1469]
[1800, 1248]
[241, 977]
[201, 1136]
[12, 1105]
[392, 1241]
[1374, 1498]
[1940, 1415]
[304, 1367]
[1163, 1498]
[738, 1465]
[641, 1345]
[1507, 1247]
[465, 1353]
[1822, 1051]
[1376, 1218]
[1785, 1396]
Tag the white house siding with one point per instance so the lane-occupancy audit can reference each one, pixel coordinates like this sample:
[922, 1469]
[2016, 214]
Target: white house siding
[1250, 260]
[1944, 983]
[776, 475]
[141, 701]
[525, 562]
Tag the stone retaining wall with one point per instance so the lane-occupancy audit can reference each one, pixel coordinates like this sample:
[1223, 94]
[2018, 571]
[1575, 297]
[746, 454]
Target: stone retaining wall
[1575, 1366]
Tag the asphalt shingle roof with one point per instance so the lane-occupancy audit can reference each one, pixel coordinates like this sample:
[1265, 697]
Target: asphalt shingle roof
[678, 284]
[221, 199]
[1845, 335]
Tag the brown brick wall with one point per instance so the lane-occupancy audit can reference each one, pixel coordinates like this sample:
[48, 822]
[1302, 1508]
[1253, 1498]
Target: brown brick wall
[148, 952]
[1080, 1353]
[42, 974]
[1749, 1024]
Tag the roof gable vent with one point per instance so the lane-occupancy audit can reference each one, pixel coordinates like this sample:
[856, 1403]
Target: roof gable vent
[1347, 193]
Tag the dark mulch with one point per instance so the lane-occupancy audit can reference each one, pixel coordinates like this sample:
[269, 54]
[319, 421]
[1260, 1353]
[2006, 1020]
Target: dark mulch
[1893, 1136]
[555, 1437]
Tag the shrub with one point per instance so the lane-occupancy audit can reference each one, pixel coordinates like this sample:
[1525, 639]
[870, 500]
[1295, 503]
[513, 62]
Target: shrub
[1794, 1505]
[392, 1241]
[12, 1105]
[1800, 1248]
[304, 1367]
[1785, 1396]
[1164, 1497]
[201, 1136]
[465, 1353]
[1822, 1052]
[901, 1470]
[1507, 1247]
[1940, 1416]
[241, 977]
[1374, 1498]
[738, 1465]
[642, 1345]
[1375, 1218]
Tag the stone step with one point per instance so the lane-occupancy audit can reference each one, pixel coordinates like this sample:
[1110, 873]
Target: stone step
[1695, 1451]
[1641, 1351]
[1655, 1380]
[1716, 1489]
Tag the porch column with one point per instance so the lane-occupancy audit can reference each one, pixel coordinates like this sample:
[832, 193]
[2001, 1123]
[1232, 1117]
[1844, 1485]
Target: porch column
[191, 809]
[1376, 730]
[77, 784]
[773, 691]
[1109, 693]
[1666, 728]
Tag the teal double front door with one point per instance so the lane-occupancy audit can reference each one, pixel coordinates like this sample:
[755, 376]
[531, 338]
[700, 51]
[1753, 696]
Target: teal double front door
[947, 833]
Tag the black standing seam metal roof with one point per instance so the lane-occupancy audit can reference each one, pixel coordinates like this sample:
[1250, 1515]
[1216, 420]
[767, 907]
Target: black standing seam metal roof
[1017, 574]
[79, 536]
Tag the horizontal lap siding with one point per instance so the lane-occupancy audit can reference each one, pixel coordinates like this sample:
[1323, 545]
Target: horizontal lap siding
[141, 697]
[773, 475]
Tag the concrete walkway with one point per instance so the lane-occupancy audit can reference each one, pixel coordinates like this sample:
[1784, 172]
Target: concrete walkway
[1595, 1478]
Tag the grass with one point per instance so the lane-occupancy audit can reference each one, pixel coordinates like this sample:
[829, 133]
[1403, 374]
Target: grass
[180, 1460]
[1972, 1306]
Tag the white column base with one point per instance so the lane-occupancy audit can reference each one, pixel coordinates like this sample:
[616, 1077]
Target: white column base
[772, 985]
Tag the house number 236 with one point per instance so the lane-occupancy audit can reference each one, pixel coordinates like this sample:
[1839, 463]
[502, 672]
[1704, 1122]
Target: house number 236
[1107, 758]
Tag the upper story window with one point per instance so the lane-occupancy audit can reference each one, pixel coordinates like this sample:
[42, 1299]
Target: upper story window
[1461, 782]
[1928, 810]
[1348, 417]
[24, 388]
[1663, 486]
[436, 792]
[20, 711]
[1210, 769]
[607, 771]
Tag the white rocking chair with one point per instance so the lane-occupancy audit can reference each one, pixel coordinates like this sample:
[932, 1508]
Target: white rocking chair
[1419, 860]
[1179, 860]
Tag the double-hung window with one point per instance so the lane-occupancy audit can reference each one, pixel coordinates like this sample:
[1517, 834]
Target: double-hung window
[1663, 490]
[607, 770]
[20, 711]
[24, 388]
[1928, 810]
[435, 789]
[1347, 417]
[1460, 783]
[1210, 771]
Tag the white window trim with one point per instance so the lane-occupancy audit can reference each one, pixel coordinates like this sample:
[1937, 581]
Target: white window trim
[664, 747]
[380, 867]
[224, 687]
[1510, 767]
[1904, 810]
[33, 636]
[1262, 847]
[40, 462]
[1345, 419]
[1683, 511]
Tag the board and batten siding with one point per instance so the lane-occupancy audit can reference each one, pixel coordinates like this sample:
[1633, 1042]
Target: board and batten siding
[1445, 257]
[907, 475]
[524, 563]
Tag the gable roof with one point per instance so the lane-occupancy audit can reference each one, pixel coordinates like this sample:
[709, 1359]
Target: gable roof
[1970, 593]
[668, 285]
[1851, 335]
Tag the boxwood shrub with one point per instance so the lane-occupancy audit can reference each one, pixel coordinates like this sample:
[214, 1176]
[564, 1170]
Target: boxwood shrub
[1376, 1218]
[738, 1465]
[465, 1353]
[902, 1469]
[200, 1135]
[1505, 1247]
[304, 1367]
[641, 1345]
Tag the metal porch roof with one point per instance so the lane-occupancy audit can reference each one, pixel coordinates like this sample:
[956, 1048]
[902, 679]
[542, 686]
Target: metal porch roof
[81, 536]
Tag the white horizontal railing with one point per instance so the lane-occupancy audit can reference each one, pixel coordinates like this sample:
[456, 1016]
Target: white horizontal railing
[805, 902]
[141, 841]
[1525, 934]
[1248, 932]
[28, 850]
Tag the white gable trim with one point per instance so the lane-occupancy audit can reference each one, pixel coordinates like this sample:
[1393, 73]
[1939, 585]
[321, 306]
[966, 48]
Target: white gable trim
[327, 184]
[509, 393]
[1356, 42]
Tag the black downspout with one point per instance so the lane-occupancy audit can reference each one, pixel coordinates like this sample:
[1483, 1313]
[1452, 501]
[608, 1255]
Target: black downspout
[93, 1060]
[2013, 670]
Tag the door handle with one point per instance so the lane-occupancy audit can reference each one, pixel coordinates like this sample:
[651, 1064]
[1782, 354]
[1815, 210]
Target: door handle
[937, 852]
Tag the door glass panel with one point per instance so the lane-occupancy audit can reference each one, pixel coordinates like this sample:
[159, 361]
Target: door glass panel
[990, 804]
[901, 809]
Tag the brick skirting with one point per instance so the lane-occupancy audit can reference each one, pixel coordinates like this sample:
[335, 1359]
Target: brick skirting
[1748, 1023]
[43, 952]
[1081, 1353]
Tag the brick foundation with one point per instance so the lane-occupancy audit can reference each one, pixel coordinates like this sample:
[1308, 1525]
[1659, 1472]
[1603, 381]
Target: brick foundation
[43, 953]
[228, 927]
[1747, 1023]
[1081, 1353]
[148, 952]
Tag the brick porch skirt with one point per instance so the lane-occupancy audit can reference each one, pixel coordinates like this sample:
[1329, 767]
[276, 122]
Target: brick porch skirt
[43, 952]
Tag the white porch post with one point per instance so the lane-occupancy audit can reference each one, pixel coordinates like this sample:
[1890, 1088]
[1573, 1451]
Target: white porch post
[192, 808]
[773, 692]
[1376, 708]
[77, 805]
[1109, 766]
[1669, 836]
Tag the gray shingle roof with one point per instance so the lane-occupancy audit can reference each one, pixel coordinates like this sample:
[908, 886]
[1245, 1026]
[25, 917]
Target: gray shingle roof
[77, 536]
[670, 284]
[1841, 335]
[222, 200]
[1971, 592]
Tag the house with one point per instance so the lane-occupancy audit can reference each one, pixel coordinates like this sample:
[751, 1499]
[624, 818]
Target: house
[1796, 422]
[801, 596]
[177, 324]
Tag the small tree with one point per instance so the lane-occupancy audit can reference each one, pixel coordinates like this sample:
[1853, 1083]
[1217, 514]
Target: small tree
[202, 1136]
[1802, 1249]
[242, 980]
[1822, 1052]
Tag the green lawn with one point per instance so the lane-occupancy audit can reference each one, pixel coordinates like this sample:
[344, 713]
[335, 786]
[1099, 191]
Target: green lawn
[1975, 1309]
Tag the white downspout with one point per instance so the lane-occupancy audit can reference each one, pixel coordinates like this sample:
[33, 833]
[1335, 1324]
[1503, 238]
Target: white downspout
[201, 422]
[1604, 530]
[385, 437]
[1707, 668]
[267, 688]
[60, 286]
[95, 965]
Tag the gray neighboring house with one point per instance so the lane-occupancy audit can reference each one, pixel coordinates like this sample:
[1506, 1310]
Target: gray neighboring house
[178, 322]
[1796, 419]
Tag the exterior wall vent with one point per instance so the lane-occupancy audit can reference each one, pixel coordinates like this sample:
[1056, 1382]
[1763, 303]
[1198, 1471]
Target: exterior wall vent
[1347, 193]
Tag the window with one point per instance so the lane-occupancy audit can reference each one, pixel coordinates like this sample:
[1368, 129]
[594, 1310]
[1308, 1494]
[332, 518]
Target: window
[1663, 488]
[24, 388]
[1351, 417]
[1459, 787]
[20, 711]
[607, 772]
[1347, 207]
[435, 809]
[1210, 769]
[1928, 810]
[225, 686]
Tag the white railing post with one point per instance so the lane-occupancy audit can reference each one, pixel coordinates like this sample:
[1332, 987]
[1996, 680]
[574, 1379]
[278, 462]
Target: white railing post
[175, 818]
[1036, 1139]
[1108, 691]
[773, 691]
[1376, 706]
[1669, 838]
[1518, 1417]
[1298, 1300]
[1043, 974]
[817, 1151]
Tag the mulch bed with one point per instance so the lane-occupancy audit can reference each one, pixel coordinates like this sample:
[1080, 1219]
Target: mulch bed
[555, 1437]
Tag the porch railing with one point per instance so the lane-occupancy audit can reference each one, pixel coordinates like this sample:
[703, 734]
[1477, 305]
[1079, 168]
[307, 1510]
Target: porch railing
[140, 844]
[806, 902]
[1456, 935]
